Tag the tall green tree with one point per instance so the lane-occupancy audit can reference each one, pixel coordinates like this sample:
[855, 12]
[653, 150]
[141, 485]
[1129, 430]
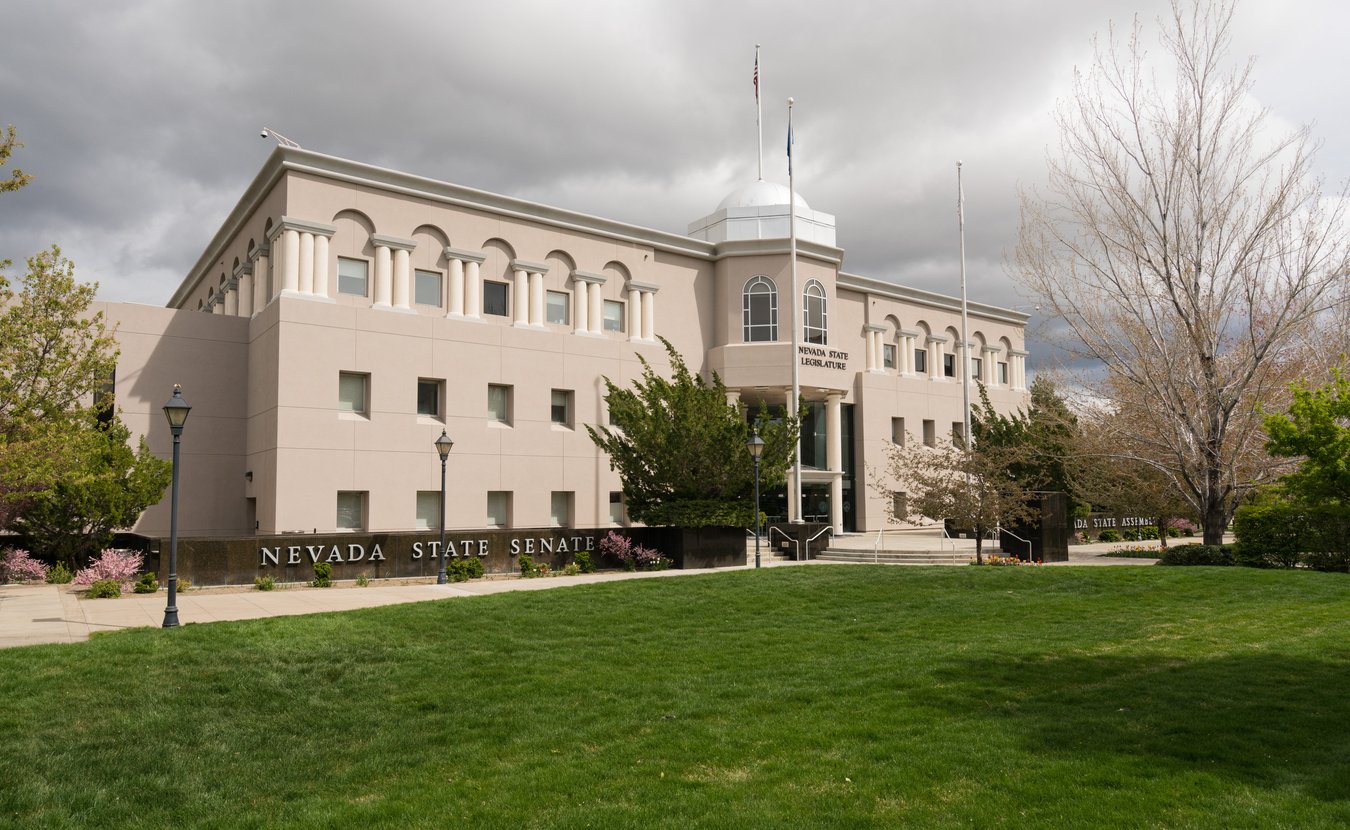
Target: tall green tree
[1045, 430]
[54, 358]
[1317, 428]
[680, 448]
[9, 142]
[107, 489]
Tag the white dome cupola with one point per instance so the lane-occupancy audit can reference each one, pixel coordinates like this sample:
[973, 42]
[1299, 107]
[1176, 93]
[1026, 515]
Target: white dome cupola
[759, 210]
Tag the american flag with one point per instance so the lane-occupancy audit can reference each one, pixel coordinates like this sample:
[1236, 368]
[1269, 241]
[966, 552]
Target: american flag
[756, 75]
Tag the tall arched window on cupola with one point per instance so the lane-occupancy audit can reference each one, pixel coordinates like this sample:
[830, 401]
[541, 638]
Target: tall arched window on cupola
[759, 306]
[813, 313]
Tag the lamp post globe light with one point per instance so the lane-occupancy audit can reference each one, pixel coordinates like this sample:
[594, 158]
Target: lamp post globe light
[756, 447]
[443, 445]
[176, 411]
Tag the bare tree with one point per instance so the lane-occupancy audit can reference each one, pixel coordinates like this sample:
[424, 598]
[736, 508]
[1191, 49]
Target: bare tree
[972, 486]
[1186, 249]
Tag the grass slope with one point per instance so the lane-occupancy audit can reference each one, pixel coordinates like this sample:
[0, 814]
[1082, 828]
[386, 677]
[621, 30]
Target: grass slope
[817, 697]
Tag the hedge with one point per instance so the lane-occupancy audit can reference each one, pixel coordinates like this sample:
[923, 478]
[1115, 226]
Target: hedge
[1285, 535]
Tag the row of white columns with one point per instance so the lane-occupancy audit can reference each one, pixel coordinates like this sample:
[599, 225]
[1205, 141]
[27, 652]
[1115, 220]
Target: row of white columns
[937, 349]
[302, 270]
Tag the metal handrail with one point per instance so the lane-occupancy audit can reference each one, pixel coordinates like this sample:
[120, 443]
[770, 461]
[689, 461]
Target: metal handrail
[827, 529]
[1020, 539]
[797, 546]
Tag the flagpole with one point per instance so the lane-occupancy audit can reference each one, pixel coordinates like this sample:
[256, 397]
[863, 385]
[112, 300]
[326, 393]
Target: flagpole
[759, 126]
[795, 497]
[967, 438]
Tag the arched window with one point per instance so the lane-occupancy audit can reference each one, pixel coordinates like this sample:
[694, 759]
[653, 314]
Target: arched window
[813, 316]
[759, 306]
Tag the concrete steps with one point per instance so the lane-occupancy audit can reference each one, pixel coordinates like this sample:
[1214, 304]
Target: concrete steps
[895, 557]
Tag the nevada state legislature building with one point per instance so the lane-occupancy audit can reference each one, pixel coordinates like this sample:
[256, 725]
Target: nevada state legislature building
[344, 314]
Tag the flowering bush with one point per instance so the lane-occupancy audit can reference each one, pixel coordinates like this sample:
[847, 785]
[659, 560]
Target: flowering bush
[16, 565]
[634, 557]
[116, 565]
[1005, 561]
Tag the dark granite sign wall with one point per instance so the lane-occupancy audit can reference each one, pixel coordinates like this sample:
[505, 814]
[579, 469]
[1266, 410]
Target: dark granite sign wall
[291, 557]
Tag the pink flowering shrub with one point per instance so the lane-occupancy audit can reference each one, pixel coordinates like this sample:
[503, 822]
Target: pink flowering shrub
[116, 565]
[16, 565]
[634, 557]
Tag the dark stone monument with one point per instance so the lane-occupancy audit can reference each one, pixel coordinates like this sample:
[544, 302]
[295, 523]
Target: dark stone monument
[1044, 539]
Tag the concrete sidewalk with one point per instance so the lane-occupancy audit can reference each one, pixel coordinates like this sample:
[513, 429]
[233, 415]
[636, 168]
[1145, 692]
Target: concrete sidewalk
[34, 614]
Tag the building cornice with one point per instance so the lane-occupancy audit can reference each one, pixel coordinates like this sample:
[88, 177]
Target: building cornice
[529, 267]
[931, 299]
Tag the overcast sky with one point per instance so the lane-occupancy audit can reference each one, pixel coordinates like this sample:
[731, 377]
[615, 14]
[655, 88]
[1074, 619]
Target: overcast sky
[141, 119]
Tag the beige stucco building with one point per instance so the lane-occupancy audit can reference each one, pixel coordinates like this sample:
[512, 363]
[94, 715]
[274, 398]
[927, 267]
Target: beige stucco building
[345, 314]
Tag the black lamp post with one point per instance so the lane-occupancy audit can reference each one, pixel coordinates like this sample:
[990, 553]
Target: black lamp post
[756, 447]
[176, 410]
[443, 445]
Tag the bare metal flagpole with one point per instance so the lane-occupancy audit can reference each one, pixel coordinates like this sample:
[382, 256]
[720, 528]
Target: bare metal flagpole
[965, 321]
[795, 496]
[759, 126]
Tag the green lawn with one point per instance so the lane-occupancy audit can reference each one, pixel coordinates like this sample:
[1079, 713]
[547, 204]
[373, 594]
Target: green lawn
[816, 697]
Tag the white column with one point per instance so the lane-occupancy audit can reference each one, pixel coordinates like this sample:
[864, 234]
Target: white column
[383, 291]
[935, 355]
[306, 276]
[597, 313]
[634, 314]
[231, 302]
[455, 290]
[581, 305]
[834, 458]
[521, 300]
[402, 276]
[320, 265]
[536, 298]
[473, 292]
[648, 314]
[290, 260]
[733, 397]
[245, 295]
[870, 340]
[262, 289]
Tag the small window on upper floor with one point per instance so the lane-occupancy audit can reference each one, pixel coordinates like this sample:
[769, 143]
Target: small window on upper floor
[353, 393]
[352, 276]
[427, 288]
[888, 355]
[814, 318]
[759, 311]
[556, 305]
[429, 396]
[977, 368]
[613, 315]
[499, 404]
[949, 365]
[921, 361]
[1002, 373]
[560, 408]
[495, 298]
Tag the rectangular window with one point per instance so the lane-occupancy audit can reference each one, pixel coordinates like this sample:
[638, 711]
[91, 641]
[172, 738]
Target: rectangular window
[888, 355]
[921, 361]
[499, 404]
[498, 508]
[616, 507]
[930, 433]
[427, 287]
[495, 298]
[958, 434]
[353, 392]
[949, 365]
[556, 304]
[1003, 373]
[560, 508]
[429, 394]
[900, 506]
[898, 431]
[428, 510]
[351, 510]
[560, 410]
[613, 315]
[352, 276]
[976, 368]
